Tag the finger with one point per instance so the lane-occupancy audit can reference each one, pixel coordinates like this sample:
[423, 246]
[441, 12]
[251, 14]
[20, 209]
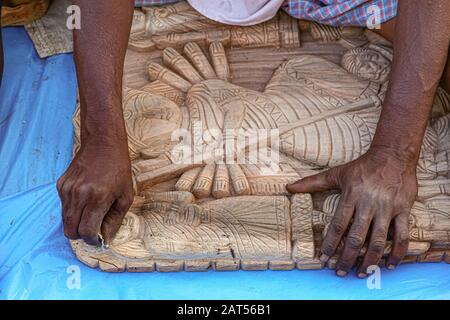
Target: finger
[401, 240]
[72, 208]
[91, 221]
[319, 182]
[338, 226]
[377, 243]
[71, 220]
[354, 240]
[113, 219]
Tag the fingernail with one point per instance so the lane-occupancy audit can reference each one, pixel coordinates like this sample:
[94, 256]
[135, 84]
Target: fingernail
[362, 275]
[341, 273]
[324, 258]
[392, 267]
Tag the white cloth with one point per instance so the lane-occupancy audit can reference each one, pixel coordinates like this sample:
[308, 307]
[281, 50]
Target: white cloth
[238, 12]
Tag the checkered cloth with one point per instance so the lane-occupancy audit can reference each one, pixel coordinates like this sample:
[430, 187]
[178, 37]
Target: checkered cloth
[331, 12]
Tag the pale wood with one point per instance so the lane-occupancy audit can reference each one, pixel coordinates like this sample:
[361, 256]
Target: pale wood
[299, 78]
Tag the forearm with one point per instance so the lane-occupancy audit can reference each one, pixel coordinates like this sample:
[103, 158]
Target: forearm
[420, 51]
[99, 53]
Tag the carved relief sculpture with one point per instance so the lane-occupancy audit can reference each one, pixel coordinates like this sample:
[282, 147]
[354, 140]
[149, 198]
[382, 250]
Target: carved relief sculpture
[194, 208]
[178, 24]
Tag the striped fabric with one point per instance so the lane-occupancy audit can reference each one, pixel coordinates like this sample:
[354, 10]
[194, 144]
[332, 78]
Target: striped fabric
[343, 12]
[331, 12]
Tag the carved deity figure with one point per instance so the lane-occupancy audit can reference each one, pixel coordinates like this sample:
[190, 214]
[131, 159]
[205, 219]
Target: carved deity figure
[178, 24]
[325, 114]
[172, 226]
[230, 215]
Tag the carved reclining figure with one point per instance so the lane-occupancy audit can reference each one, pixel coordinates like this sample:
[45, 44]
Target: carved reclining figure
[197, 215]
[178, 24]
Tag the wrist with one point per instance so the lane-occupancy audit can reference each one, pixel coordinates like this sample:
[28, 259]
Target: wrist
[111, 136]
[103, 124]
[404, 155]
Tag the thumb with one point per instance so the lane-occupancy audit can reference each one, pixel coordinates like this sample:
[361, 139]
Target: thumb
[320, 182]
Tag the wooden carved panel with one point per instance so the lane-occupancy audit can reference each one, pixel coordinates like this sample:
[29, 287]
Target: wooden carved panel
[194, 208]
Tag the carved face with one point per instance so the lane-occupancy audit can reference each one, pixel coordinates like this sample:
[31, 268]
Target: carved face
[367, 64]
[128, 231]
[149, 119]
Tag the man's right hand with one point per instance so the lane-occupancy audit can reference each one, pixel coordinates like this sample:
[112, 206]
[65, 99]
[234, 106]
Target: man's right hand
[96, 191]
[378, 188]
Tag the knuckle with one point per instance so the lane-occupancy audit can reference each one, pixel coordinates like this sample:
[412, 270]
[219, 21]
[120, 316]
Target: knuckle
[79, 191]
[354, 241]
[384, 199]
[364, 220]
[99, 192]
[338, 227]
[380, 233]
[377, 246]
[353, 189]
[327, 249]
[65, 188]
[88, 190]
[60, 183]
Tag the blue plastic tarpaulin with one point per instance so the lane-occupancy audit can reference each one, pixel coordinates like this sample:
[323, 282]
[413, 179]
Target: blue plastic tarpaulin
[37, 101]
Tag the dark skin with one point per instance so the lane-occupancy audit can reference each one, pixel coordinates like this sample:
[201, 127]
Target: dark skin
[96, 190]
[379, 188]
